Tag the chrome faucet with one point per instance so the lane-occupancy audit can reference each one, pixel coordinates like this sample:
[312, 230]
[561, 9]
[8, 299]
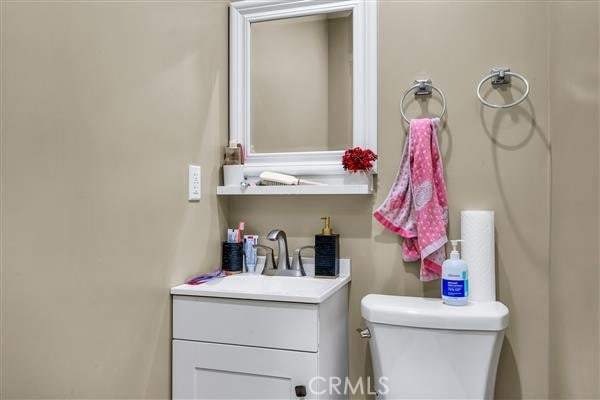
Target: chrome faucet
[283, 262]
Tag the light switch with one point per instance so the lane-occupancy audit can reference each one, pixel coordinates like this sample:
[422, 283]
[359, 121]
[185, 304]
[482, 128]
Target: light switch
[194, 183]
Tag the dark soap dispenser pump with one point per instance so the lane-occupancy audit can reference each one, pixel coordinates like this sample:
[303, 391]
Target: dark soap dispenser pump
[327, 252]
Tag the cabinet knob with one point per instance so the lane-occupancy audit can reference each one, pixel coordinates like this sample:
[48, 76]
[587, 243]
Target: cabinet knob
[300, 391]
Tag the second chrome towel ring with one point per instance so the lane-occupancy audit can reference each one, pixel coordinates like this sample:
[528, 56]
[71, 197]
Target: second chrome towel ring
[424, 88]
[499, 77]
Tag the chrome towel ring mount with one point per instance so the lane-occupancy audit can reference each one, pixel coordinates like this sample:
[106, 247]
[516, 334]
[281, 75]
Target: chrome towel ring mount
[423, 87]
[500, 77]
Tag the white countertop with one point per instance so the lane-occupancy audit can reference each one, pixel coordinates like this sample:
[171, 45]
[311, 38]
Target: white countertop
[254, 286]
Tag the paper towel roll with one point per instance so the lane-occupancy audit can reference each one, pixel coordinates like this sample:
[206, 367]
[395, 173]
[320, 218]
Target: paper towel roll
[477, 233]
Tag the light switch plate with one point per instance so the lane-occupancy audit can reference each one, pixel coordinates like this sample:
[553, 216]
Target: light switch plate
[194, 183]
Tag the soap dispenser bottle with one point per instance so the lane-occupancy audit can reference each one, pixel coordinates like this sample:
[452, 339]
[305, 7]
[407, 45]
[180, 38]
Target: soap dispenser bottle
[455, 279]
[327, 252]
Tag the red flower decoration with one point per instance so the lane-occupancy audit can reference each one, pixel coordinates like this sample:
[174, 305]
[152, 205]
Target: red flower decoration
[357, 159]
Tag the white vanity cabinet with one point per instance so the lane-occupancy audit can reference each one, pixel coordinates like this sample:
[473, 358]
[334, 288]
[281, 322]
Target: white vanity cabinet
[255, 346]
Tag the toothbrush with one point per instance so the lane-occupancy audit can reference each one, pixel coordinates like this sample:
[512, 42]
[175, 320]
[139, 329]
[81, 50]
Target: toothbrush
[206, 277]
[240, 231]
[284, 179]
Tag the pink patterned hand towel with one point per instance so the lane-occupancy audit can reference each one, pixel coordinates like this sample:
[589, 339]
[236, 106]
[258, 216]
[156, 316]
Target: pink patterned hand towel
[417, 207]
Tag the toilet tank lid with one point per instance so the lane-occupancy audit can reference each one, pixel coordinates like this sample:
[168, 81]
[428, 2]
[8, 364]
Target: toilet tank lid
[433, 313]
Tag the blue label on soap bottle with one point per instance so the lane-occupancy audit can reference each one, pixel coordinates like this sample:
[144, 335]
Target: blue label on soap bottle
[453, 288]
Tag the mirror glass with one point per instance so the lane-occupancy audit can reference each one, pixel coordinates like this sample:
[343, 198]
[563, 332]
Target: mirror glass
[301, 83]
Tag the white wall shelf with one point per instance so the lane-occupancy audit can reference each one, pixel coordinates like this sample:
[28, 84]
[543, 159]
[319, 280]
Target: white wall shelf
[333, 184]
[293, 190]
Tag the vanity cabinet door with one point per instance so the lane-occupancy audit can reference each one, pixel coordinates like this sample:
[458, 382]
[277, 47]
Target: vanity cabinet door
[220, 371]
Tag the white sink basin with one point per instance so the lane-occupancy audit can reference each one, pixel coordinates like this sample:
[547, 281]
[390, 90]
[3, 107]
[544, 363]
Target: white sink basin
[253, 286]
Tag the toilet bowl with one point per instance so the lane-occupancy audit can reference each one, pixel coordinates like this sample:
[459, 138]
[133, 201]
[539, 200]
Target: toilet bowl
[424, 349]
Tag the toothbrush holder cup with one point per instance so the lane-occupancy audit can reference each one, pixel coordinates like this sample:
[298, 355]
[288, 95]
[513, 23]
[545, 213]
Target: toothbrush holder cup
[232, 257]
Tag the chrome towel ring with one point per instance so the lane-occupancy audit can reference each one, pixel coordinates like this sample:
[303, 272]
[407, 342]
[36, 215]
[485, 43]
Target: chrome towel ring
[424, 88]
[499, 77]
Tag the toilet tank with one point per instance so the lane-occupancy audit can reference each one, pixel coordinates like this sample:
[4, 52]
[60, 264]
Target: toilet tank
[424, 349]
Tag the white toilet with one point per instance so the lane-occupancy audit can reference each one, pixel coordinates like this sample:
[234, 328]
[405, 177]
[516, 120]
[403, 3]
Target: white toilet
[424, 349]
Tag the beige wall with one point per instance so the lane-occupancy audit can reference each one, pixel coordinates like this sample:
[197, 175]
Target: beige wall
[104, 106]
[494, 159]
[574, 311]
[108, 103]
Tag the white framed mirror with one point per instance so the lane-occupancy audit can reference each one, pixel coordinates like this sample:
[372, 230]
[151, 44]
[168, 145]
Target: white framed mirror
[303, 83]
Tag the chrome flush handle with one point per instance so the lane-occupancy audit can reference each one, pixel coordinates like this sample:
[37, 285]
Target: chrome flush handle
[364, 333]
